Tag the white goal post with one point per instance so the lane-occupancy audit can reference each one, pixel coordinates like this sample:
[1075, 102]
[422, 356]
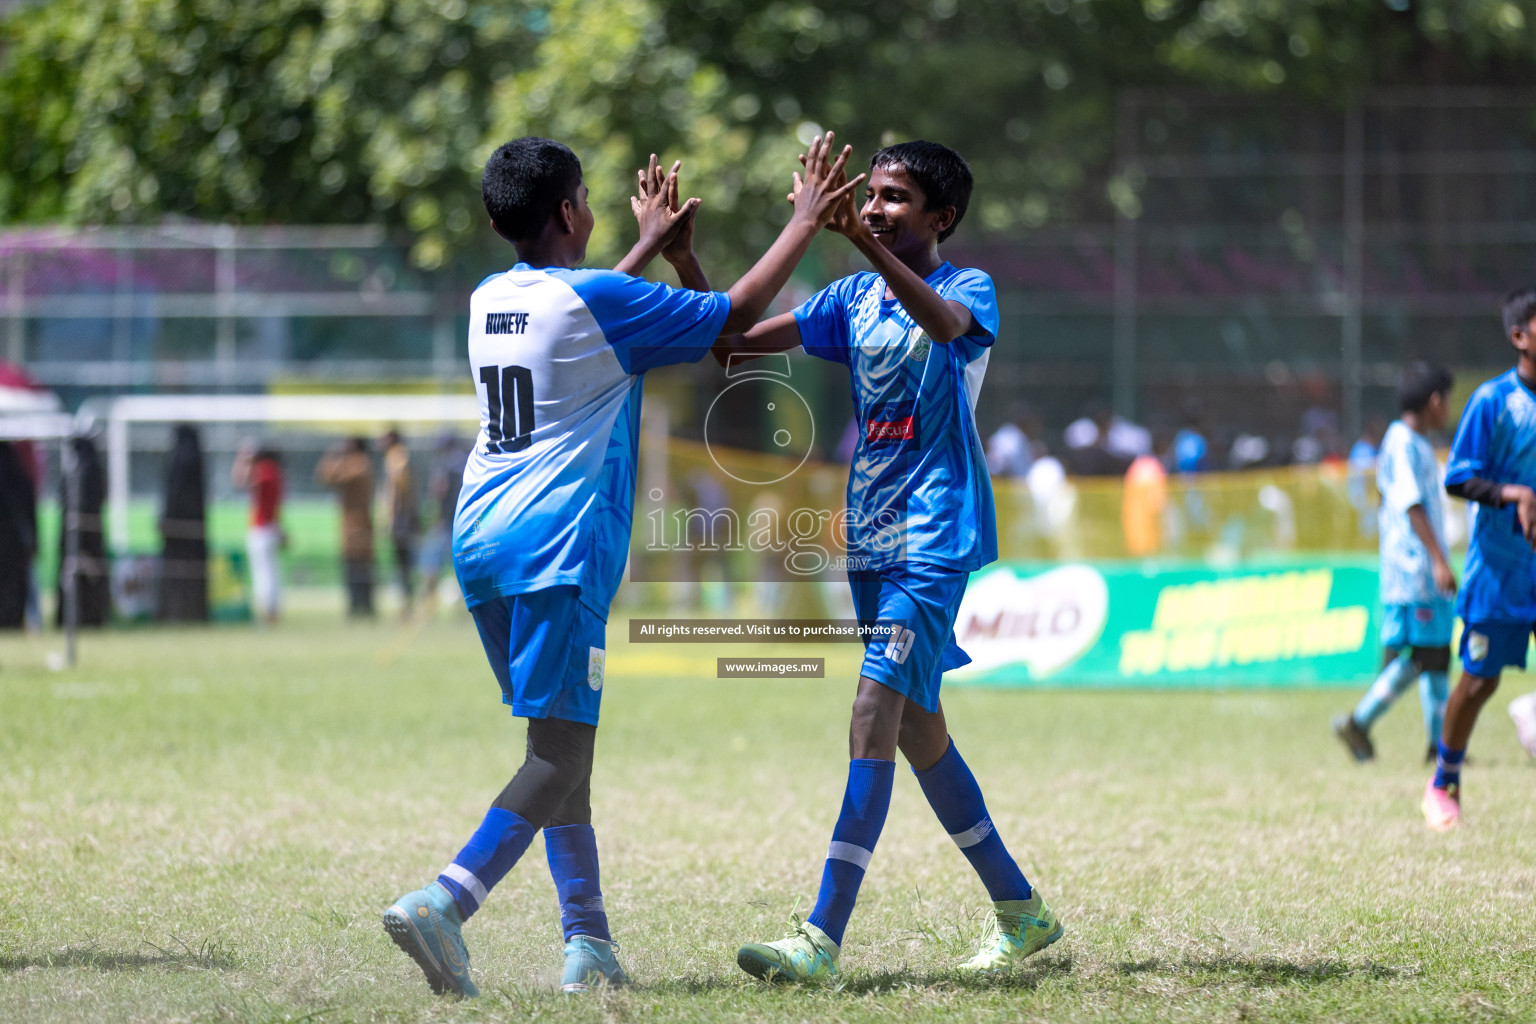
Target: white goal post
[116, 415]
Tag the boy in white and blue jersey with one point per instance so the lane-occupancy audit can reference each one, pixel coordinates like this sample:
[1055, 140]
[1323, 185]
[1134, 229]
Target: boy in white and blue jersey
[915, 335]
[1417, 585]
[1493, 463]
[541, 533]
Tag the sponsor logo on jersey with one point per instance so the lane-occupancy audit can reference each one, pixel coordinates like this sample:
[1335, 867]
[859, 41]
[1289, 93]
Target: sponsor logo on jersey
[891, 421]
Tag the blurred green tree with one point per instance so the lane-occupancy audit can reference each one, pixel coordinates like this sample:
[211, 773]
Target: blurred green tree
[314, 111]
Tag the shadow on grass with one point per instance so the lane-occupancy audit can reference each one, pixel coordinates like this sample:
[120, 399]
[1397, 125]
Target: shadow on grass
[1263, 970]
[1020, 979]
[206, 955]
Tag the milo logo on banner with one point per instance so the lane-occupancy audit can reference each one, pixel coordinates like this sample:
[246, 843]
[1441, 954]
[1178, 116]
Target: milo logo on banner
[1125, 625]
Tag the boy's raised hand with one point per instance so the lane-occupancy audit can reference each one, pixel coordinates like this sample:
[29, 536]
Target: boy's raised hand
[666, 226]
[845, 219]
[824, 190]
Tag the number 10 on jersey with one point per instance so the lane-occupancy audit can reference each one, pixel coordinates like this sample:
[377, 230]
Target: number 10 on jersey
[509, 408]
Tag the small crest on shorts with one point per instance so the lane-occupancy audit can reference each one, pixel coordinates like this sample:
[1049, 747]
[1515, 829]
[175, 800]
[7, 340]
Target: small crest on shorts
[596, 657]
[1477, 646]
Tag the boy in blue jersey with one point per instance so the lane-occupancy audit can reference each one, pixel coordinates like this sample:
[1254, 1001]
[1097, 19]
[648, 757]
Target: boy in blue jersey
[542, 528]
[1417, 585]
[915, 335]
[1493, 463]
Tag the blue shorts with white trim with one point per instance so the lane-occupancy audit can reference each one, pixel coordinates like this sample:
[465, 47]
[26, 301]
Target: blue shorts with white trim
[915, 605]
[548, 652]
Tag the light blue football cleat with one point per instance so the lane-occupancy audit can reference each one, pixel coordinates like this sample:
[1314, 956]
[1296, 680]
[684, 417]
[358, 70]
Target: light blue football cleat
[806, 954]
[426, 924]
[590, 962]
[1017, 929]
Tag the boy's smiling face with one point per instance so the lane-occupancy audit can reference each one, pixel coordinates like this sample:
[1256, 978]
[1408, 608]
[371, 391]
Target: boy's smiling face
[894, 212]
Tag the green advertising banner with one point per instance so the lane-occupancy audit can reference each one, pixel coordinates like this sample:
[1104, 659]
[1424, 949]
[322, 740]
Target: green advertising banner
[1122, 624]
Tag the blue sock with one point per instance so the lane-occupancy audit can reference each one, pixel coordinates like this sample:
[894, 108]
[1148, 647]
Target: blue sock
[1434, 687]
[1389, 685]
[486, 858]
[572, 852]
[865, 802]
[954, 796]
[1448, 767]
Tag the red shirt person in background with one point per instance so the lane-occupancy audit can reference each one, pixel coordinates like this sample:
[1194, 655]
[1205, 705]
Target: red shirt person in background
[260, 471]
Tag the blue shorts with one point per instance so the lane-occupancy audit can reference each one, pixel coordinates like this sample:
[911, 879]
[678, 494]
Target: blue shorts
[919, 602]
[1418, 625]
[547, 650]
[1487, 648]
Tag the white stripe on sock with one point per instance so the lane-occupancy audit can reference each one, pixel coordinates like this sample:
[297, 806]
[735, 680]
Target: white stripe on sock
[467, 879]
[850, 853]
[973, 835]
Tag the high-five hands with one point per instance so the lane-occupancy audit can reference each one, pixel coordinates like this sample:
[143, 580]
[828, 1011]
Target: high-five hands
[845, 219]
[665, 224]
[825, 195]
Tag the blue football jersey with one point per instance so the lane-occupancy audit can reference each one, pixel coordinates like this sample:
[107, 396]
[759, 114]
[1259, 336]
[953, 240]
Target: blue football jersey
[558, 357]
[1407, 475]
[918, 489]
[1497, 441]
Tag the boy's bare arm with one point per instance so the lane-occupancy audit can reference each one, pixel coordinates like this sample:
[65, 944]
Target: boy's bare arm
[1445, 580]
[776, 334]
[941, 319]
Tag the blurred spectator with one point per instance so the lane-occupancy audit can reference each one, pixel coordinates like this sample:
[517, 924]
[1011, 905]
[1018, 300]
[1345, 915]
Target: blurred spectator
[1307, 450]
[404, 515]
[1009, 452]
[1248, 450]
[1279, 504]
[1362, 454]
[93, 594]
[260, 471]
[1114, 434]
[1050, 491]
[1141, 510]
[1362, 468]
[18, 533]
[1088, 444]
[348, 470]
[1319, 436]
[445, 478]
[1191, 451]
[184, 533]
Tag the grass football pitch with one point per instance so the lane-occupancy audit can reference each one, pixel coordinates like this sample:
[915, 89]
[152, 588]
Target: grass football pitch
[206, 825]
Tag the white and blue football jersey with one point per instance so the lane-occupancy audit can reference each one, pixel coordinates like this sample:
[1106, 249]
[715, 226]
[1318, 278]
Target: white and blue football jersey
[1496, 441]
[918, 489]
[558, 357]
[1407, 475]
